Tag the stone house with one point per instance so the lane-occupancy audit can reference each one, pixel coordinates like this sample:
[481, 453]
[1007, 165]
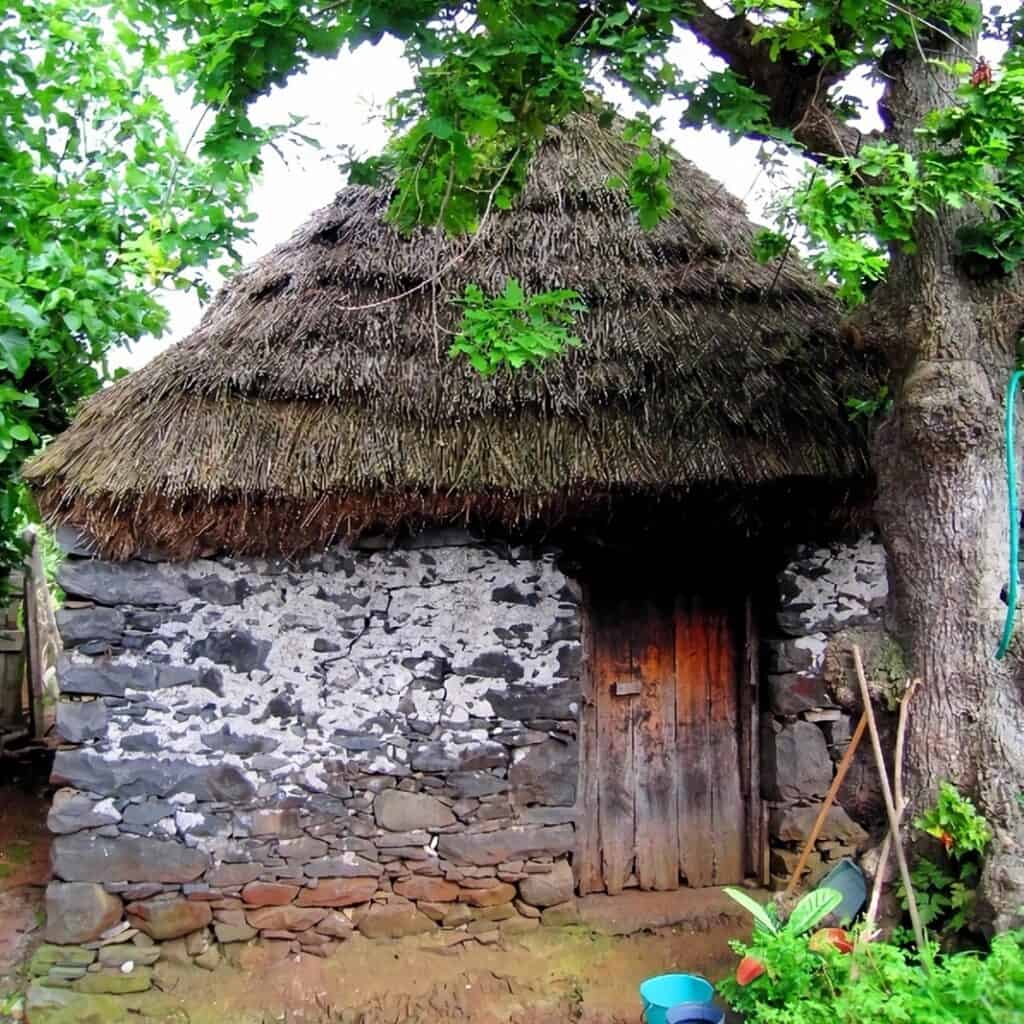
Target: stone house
[357, 639]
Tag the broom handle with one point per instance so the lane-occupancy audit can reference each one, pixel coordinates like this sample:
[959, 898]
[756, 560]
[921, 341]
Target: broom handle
[844, 766]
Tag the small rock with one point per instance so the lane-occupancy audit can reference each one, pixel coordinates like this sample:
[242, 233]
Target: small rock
[164, 919]
[551, 889]
[269, 894]
[209, 959]
[116, 982]
[394, 920]
[79, 912]
[433, 890]
[489, 897]
[398, 811]
[338, 892]
[335, 925]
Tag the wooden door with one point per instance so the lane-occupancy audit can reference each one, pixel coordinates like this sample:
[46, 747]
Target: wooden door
[665, 785]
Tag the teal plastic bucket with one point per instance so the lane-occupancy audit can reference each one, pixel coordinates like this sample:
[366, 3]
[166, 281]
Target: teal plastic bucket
[667, 990]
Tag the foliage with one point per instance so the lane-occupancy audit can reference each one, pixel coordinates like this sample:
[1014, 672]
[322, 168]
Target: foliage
[878, 982]
[946, 886]
[100, 206]
[515, 329]
[812, 908]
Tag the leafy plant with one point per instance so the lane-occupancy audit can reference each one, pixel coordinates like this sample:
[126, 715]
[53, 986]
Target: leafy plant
[811, 909]
[946, 886]
[515, 329]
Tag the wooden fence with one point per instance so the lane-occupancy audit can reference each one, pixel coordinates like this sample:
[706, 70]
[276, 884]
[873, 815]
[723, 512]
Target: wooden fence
[29, 649]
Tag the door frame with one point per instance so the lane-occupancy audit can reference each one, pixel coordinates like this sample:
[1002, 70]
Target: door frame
[587, 867]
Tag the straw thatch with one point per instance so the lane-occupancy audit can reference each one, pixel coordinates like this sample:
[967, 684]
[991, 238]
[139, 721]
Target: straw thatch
[287, 417]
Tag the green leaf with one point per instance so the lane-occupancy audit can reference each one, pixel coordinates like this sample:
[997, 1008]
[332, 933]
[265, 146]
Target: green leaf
[811, 909]
[16, 351]
[751, 905]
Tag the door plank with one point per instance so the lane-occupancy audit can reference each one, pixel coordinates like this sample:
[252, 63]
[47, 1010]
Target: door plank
[615, 745]
[587, 860]
[696, 854]
[654, 750]
[724, 781]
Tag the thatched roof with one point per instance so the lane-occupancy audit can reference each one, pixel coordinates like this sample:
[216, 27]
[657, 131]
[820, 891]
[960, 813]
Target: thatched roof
[287, 417]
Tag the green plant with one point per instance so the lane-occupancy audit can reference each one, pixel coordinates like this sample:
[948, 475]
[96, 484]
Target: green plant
[881, 983]
[811, 909]
[946, 885]
[513, 328]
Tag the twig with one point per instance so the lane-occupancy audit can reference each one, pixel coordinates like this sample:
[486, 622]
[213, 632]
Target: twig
[457, 258]
[844, 767]
[890, 809]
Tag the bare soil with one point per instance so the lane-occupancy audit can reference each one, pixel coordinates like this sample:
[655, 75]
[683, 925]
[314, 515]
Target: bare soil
[24, 872]
[547, 976]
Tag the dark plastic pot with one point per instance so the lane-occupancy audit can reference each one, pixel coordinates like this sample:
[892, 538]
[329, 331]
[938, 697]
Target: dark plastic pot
[695, 1013]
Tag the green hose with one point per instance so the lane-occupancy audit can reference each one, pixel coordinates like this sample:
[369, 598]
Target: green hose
[1011, 486]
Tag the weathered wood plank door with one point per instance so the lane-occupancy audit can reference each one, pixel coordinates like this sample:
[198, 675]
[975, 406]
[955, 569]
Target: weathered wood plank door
[663, 800]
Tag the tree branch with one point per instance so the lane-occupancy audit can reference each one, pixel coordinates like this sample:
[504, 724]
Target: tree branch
[797, 93]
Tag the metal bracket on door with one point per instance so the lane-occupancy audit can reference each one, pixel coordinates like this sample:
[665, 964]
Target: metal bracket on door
[627, 688]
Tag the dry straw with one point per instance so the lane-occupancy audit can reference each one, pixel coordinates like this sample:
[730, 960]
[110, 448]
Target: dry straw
[286, 418]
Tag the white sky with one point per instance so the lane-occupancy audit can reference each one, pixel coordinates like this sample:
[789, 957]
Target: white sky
[338, 98]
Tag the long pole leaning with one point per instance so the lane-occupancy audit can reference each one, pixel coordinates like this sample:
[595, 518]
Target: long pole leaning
[890, 810]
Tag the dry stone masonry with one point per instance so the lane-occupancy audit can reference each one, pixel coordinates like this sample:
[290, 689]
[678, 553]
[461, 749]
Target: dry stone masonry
[372, 740]
[828, 597]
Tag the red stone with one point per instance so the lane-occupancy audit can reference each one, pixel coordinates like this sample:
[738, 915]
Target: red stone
[169, 919]
[338, 892]
[434, 890]
[291, 919]
[500, 893]
[269, 894]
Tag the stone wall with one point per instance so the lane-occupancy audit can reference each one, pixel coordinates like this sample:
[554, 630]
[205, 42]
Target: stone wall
[381, 740]
[374, 740]
[829, 598]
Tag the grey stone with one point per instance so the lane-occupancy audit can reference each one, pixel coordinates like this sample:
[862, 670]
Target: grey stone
[545, 773]
[74, 541]
[114, 583]
[476, 784]
[403, 812]
[105, 679]
[236, 648]
[304, 848]
[523, 702]
[169, 676]
[343, 865]
[86, 857]
[214, 590]
[440, 756]
[150, 776]
[792, 693]
[495, 665]
[79, 721]
[795, 763]
[491, 848]
[558, 886]
[77, 625]
[794, 824]
[230, 742]
[79, 912]
[72, 812]
[148, 812]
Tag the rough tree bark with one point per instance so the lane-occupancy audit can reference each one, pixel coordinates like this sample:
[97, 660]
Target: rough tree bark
[941, 506]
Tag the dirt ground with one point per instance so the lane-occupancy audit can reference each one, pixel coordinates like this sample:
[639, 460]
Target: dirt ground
[548, 976]
[24, 871]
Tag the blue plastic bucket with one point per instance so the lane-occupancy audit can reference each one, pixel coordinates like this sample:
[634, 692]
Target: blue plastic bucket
[696, 1013]
[663, 992]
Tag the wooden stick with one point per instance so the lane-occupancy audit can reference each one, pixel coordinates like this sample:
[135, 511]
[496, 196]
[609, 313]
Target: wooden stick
[901, 806]
[890, 810]
[844, 767]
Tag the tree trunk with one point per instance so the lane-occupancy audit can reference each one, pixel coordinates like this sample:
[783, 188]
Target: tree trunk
[942, 511]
